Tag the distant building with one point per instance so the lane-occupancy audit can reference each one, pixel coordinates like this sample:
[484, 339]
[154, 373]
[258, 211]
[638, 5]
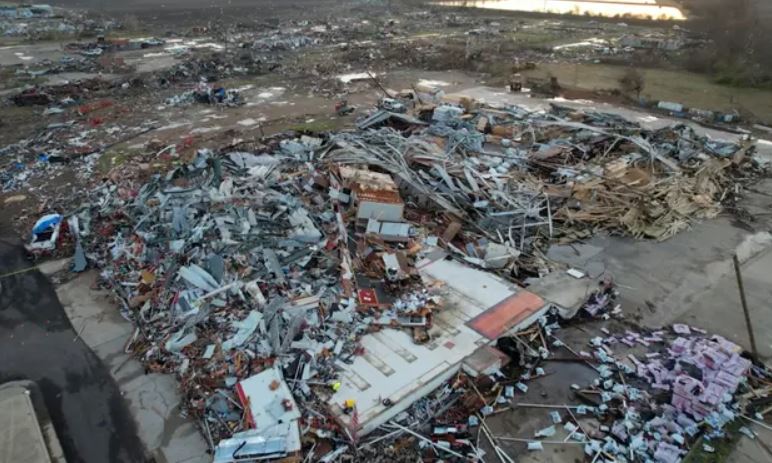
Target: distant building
[26, 11]
[42, 10]
[652, 42]
[7, 11]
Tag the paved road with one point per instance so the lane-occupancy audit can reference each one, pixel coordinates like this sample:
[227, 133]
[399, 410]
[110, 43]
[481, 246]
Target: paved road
[38, 343]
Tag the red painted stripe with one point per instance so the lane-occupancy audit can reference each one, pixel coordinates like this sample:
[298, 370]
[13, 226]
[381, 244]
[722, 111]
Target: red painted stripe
[245, 403]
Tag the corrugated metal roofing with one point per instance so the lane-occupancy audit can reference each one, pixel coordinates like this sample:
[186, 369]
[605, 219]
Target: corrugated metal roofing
[497, 320]
[378, 196]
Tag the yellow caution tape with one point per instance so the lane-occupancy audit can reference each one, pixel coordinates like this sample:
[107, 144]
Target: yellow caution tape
[18, 272]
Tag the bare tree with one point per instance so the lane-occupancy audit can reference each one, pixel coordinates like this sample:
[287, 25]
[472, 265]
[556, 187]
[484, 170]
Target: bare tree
[632, 82]
[131, 23]
[740, 32]
[732, 26]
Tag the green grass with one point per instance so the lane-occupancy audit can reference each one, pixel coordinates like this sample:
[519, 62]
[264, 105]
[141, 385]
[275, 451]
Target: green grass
[724, 447]
[691, 89]
[128, 33]
[740, 75]
[52, 36]
[11, 41]
[17, 122]
[534, 37]
[113, 157]
[9, 79]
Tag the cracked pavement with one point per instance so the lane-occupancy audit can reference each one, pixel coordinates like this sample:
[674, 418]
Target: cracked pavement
[39, 344]
[153, 399]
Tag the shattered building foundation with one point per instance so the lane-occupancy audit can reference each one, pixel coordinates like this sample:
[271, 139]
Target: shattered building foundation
[311, 292]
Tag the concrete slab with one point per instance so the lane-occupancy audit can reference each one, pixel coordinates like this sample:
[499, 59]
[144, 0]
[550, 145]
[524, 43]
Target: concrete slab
[690, 275]
[21, 438]
[523, 422]
[719, 309]
[153, 399]
[753, 450]
[577, 255]
[661, 281]
[87, 311]
[564, 290]
[51, 267]
[397, 368]
[183, 445]
[28, 54]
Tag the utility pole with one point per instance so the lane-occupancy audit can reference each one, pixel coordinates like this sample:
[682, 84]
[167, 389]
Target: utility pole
[741, 287]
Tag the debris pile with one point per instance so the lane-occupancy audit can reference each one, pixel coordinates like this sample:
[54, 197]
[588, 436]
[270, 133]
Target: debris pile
[105, 45]
[656, 394]
[281, 256]
[233, 264]
[517, 179]
[41, 22]
[207, 94]
[66, 94]
[360, 295]
[644, 425]
[30, 162]
[279, 41]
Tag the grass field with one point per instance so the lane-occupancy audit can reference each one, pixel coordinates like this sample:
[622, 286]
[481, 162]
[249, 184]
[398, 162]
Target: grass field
[690, 89]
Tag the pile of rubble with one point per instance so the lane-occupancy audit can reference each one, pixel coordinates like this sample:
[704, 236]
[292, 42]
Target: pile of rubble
[661, 394]
[253, 274]
[41, 21]
[232, 265]
[207, 94]
[517, 179]
[95, 126]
